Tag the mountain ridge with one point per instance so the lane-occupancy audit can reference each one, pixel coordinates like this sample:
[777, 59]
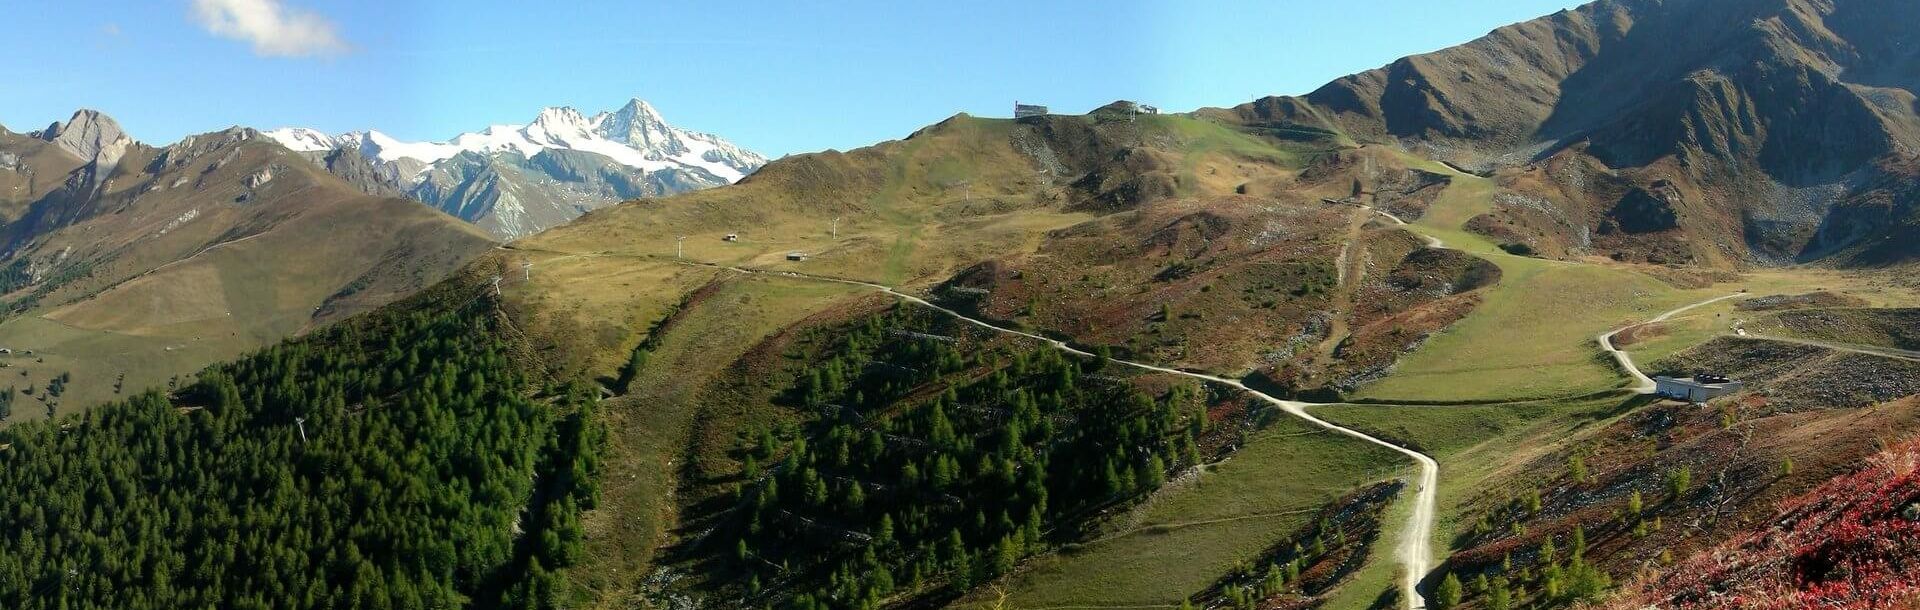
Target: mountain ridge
[518, 179]
[147, 262]
[1754, 118]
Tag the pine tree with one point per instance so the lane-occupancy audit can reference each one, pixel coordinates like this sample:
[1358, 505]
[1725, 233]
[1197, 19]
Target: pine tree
[1031, 531]
[1678, 481]
[1499, 596]
[1154, 474]
[1004, 557]
[1447, 596]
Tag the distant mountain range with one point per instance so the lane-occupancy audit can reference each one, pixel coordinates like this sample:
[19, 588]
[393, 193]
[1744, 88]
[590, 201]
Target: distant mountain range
[123, 264]
[515, 180]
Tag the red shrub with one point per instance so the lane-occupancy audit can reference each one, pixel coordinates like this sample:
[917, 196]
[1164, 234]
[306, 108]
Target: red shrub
[1852, 543]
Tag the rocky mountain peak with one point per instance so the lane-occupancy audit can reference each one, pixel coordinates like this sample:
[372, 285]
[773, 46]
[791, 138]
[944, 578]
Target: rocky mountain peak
[89, 135]
[518, 179]
[638, 125]
[560, 119]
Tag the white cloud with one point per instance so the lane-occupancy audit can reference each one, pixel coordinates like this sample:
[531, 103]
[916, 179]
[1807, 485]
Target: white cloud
[271, 27]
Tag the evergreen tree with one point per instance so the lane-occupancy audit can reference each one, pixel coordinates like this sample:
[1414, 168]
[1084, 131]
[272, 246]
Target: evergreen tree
[1499, 596]
[1447, 596]
[1679, 480]
[425, 448]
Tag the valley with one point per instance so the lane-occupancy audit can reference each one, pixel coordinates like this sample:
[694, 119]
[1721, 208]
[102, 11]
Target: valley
[1409, 341]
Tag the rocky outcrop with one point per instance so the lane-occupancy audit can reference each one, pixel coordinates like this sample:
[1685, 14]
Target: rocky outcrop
[1643, 211]
[89, 136]
[93, 138]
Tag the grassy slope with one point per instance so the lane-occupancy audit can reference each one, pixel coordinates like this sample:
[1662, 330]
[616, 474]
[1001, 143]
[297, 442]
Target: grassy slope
[651, 426]
[1475, 446]
[1858, 326]
[908, 209]
[912, 212]
[1533, 335]
[911, 223]
[1210, 152]
[221, 303]
[915, 210]
[1192, 533]
[1701, 325]
[1487, 447]
[905, 214]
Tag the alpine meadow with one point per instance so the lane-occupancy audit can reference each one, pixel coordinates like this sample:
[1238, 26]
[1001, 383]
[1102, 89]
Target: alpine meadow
[1611, 308]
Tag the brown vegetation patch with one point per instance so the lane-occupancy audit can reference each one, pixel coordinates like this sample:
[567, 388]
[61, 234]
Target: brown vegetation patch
[1800, 301]
[1636, 334]
[1799, 377]
[1741, 459]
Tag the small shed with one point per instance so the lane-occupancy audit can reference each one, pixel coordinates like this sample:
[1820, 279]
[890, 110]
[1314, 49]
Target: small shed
[796, 256]
[1698, 389]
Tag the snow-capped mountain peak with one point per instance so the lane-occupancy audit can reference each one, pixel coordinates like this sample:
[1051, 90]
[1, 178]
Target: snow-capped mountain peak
[383, 147]
[638, 125]
[301, 139]
[633, 151]
[635, 136]
[562, 122]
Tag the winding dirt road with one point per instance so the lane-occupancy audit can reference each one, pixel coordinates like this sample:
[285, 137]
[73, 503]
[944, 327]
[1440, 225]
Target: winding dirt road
[1415, 550]
[1854, 348]
[1642, 383]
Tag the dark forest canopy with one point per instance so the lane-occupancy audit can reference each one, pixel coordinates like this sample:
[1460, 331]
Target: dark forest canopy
[433, 474]
[931, 468]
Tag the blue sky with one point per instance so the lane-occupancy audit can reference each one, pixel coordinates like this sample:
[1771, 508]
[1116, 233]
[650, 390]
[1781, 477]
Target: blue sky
[779, 77]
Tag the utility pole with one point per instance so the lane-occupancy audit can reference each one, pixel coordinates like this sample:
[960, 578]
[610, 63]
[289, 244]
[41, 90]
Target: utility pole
[302, 423]
[679, 247]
